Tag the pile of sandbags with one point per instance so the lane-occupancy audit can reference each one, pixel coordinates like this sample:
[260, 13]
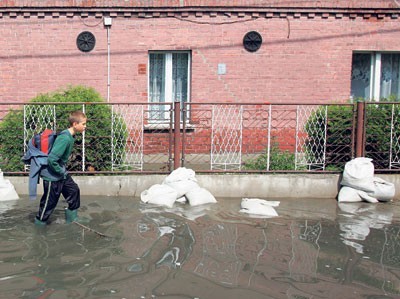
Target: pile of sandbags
[180, 186]
[360, 184]
[7, 190]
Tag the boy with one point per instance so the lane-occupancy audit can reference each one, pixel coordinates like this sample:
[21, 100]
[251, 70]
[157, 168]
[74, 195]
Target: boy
[56, 180]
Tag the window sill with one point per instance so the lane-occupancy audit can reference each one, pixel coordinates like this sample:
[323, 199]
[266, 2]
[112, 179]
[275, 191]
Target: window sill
[164, 127]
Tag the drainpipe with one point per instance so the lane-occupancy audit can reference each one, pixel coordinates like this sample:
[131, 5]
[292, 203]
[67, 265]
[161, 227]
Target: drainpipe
[107, 24]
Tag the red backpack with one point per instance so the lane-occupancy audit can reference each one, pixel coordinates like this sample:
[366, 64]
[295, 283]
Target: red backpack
[44, 140]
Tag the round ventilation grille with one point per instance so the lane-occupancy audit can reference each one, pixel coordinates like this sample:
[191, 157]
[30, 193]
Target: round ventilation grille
[252, 41]
[85, 41]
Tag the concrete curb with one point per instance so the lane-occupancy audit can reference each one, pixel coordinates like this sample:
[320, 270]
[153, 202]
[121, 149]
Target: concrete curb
[220, 185]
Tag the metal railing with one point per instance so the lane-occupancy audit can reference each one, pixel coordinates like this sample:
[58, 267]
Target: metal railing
[262, 137]
[216, 137]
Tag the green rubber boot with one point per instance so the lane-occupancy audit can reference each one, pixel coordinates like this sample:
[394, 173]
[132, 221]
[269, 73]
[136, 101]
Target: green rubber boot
[40, 223]
[71, 215]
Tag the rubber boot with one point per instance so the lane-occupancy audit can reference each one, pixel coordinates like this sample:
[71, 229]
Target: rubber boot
[40, 223]
[71, 215]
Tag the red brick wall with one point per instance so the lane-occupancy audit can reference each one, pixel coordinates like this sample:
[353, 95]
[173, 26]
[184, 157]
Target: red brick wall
[305, 56]
[305, 59]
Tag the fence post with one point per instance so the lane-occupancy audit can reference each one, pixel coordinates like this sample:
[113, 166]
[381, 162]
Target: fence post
[360, 129]
[177, 134]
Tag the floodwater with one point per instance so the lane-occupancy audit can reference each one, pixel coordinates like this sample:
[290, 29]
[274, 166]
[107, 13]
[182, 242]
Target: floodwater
[314, 249]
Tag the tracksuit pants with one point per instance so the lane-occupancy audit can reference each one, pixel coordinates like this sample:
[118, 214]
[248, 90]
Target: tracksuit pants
[52, 192]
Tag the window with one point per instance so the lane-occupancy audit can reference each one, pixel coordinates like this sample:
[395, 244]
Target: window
[169, 74]
[376, 76]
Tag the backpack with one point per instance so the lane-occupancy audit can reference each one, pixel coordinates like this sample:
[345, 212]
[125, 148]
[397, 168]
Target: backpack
[44, 140]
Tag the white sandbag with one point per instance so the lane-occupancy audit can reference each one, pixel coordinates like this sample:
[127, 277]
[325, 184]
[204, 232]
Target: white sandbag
[383, 190]
[359, 174]
[366, 197]
[7, 190]
[161, 195]
[258, 206]
[182, 187]
[180, 174]
[200, 196]
[348, 194]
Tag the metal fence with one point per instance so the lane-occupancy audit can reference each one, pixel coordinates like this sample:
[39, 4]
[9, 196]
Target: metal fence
[222, 137]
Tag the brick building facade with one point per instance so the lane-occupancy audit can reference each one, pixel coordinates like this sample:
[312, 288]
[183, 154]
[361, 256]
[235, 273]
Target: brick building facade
[193, 50]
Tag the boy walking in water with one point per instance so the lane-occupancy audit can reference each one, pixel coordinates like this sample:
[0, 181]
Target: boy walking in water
[56, 180]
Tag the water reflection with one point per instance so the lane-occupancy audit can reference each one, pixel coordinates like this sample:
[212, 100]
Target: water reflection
[356, 220]
[202, 252]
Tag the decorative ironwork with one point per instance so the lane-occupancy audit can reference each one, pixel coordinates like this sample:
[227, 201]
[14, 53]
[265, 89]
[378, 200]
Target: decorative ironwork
[85, 41]
[311, 122]
[226, 137]
[252, 41]
[127, 152]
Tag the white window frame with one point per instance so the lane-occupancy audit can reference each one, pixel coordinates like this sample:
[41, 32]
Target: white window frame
[168, 77]
[376, 64]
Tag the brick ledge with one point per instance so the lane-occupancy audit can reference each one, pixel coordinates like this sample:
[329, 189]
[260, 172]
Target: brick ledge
[199, 13]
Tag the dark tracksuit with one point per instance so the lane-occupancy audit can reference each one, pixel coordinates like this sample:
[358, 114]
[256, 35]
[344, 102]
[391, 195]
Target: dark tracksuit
[66, 186]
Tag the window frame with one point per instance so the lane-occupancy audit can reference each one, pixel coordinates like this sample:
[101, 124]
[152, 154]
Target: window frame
[375, 73]
[168, 85]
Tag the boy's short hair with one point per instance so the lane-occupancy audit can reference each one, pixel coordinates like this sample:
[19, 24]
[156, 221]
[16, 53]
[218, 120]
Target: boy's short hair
[76, 117]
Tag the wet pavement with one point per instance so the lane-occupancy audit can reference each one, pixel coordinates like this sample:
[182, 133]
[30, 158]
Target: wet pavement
[314, 249]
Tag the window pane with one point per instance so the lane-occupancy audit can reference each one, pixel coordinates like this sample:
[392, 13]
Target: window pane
[157, 78]
[361, 75]
[157, 86]
[180, 77]
[390, 76]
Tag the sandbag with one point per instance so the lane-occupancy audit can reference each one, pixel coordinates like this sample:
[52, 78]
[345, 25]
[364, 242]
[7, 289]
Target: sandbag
[366, 197]
[180, 174]
[383, 190]
[359, 174]
[258, 206]
[348, 194]
[7, 190]
[183, 187]
[182, 180]
[200, 196]
[159, 194]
